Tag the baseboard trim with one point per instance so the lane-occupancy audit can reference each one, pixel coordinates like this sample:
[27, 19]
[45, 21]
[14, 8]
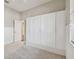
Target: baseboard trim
[53, 50]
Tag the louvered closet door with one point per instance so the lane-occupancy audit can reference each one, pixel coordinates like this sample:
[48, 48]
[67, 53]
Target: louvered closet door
[60, 30]
[28, 30]
[48, 30]
[36, 29]
[33, 30]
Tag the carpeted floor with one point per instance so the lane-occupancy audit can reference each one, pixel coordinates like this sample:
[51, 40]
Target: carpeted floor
[17, 51]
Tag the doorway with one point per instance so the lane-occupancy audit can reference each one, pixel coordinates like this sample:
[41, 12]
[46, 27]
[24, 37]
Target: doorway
[19, 32]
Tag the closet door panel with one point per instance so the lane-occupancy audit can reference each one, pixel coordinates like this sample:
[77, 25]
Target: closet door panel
[36, 29]
[33, 30]
[52, 30]
[29, 30]
[48, 30]
[44, 30]
[60, 30]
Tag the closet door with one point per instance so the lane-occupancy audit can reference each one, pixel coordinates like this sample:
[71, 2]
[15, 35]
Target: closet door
[48, 30]
[28, 30]
[33, 30]
[36, 29]
[60, 30]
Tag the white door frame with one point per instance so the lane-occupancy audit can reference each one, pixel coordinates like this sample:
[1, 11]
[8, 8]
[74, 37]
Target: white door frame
[14, 30]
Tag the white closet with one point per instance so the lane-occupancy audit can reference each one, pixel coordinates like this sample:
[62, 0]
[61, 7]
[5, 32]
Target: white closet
[33, 30]
[46, 31]
[60, 30]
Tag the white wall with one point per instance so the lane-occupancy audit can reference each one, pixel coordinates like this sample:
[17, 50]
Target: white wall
[9, 16]
[45, 8]
[69, 47]
[8, 35]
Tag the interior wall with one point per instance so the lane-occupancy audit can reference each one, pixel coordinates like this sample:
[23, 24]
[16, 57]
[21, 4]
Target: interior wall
[69, 47]
[9, 16]
[45, 8]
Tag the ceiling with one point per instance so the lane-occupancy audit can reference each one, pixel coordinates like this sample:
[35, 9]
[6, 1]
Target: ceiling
[22, 5]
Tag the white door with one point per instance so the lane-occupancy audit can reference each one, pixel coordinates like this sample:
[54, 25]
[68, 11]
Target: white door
[18, 27]
[60, 30]
[36, 29]
[33, 30]
[48, 30]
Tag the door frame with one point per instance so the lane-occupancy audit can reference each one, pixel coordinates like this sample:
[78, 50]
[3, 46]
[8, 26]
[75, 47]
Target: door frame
[21, 31]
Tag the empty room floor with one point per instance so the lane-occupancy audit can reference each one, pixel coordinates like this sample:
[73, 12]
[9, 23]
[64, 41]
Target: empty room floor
[17, 51]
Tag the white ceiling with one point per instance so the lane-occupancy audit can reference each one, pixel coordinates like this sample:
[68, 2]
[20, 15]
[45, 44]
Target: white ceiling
[22, 5]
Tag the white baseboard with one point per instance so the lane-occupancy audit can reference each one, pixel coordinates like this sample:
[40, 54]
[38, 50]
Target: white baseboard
[53, 50]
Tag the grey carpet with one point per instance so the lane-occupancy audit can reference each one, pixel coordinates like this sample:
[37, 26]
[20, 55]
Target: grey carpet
[15, 51]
